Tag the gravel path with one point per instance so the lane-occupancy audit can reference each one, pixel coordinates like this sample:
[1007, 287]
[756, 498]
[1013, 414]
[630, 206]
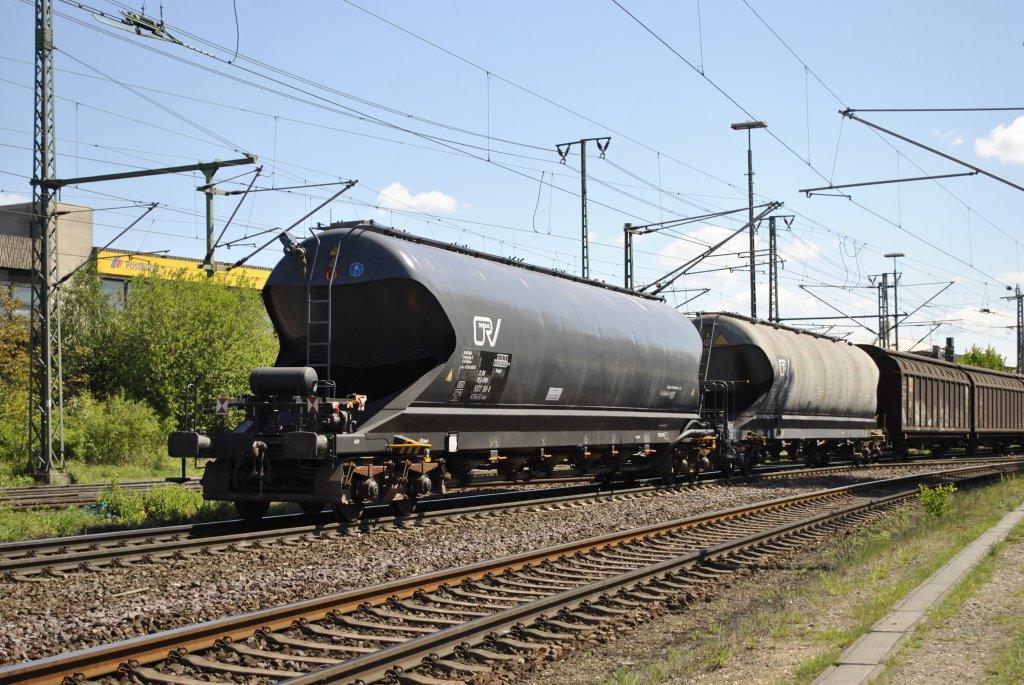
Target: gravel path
[51, 616]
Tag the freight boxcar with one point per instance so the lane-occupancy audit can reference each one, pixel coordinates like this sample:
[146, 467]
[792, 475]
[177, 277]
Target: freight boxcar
[936, 405]
[423, 354]
[997, 408]
[922, 403]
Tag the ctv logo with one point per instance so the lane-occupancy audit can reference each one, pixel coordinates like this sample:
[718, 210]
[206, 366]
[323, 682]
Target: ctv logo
[485, 331]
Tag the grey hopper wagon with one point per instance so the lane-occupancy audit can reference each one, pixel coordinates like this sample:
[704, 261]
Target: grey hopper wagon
[788, 386]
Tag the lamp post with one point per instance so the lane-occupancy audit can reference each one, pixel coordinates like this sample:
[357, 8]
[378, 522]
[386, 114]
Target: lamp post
[895, 297]
[748, 126]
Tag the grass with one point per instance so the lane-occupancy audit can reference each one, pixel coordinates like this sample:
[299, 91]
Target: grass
[869, 573]
[12, 475]
[1009, 668]
[116, 509]
[167, 505]
[104, 473]
[23, 525]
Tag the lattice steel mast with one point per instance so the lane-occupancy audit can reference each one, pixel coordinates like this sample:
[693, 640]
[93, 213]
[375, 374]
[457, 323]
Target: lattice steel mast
[46, 398]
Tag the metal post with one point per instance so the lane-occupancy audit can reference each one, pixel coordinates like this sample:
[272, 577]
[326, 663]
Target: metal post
[883, 311]
[748, 126]
[585, 238]
[563, 152]
[1020, 329]
[1019, 297]
[895, 307]
[627, 234]
[750, 215]
[895, 297]
[45, 397]
[773, 273]
[208, 190]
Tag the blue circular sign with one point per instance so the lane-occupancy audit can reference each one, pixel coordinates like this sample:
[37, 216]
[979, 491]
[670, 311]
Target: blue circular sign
[355, 270]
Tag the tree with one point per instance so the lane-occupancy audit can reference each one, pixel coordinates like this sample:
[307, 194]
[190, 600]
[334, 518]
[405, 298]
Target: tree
[87, 319]
[167, 334]
[14, 370]
[986, 359]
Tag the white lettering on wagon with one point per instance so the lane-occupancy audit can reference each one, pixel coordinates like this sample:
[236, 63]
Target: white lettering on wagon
[485, 330]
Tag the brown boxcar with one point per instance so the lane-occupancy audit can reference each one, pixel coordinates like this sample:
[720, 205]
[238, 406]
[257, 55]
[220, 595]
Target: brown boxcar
[997, 407]
[922, 402]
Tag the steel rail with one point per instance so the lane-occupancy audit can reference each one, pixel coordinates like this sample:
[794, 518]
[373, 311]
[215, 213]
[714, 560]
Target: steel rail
[85, 551]
[105, 659]
[32, 555]
[408, 655]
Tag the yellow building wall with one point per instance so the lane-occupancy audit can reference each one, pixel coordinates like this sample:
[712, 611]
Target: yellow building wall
[118, 263]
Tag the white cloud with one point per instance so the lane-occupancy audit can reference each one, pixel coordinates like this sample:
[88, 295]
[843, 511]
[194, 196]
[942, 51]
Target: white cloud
[698, 241]
[952, 137]
[397, 196]
[13, 199]
[800, 252]
[1005, 143]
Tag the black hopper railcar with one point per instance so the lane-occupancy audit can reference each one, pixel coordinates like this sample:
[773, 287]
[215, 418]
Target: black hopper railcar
[768, 387]
[403, 359]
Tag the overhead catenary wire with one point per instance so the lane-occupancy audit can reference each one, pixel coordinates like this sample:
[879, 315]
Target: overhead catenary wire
[534, 177]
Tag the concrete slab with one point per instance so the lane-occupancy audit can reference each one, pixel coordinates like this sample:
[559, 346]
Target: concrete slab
[898, 621]
[849, 674]
[871, 648]
[923, 597]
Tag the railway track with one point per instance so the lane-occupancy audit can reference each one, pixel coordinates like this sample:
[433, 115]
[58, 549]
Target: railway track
[54, 557]
[496, 615]
[60, 496]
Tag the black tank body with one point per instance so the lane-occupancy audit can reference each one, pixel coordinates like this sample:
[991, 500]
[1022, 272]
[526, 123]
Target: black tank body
[445, 340]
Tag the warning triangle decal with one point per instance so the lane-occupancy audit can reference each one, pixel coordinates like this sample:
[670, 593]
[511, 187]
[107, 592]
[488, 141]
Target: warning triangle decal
[448, 378]
[720, 340]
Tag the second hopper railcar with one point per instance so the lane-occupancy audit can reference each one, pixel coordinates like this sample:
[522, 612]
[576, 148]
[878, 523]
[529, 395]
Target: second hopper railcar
[771, 385]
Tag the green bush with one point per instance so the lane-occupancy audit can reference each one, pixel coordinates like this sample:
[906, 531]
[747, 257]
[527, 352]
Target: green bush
[935, 500]
[147, 344]
[12, 474]
[115, 430]
[172, 504]
[13, 439]
[122, 507]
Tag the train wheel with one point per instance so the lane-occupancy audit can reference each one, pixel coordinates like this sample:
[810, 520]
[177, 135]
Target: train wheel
[251, 511]
[347, 512]
[311, 508]
[404, 506]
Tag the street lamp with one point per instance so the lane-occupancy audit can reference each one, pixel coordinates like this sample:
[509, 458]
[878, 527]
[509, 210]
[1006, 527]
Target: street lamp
[748, 126]
[895, 296]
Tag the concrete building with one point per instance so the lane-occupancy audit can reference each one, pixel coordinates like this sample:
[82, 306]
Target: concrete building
[74, 231]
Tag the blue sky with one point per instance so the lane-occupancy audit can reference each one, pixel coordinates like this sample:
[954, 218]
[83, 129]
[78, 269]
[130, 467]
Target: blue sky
[448, 114]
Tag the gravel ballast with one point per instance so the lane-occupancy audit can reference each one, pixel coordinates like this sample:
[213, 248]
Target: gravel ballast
[54, 615]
